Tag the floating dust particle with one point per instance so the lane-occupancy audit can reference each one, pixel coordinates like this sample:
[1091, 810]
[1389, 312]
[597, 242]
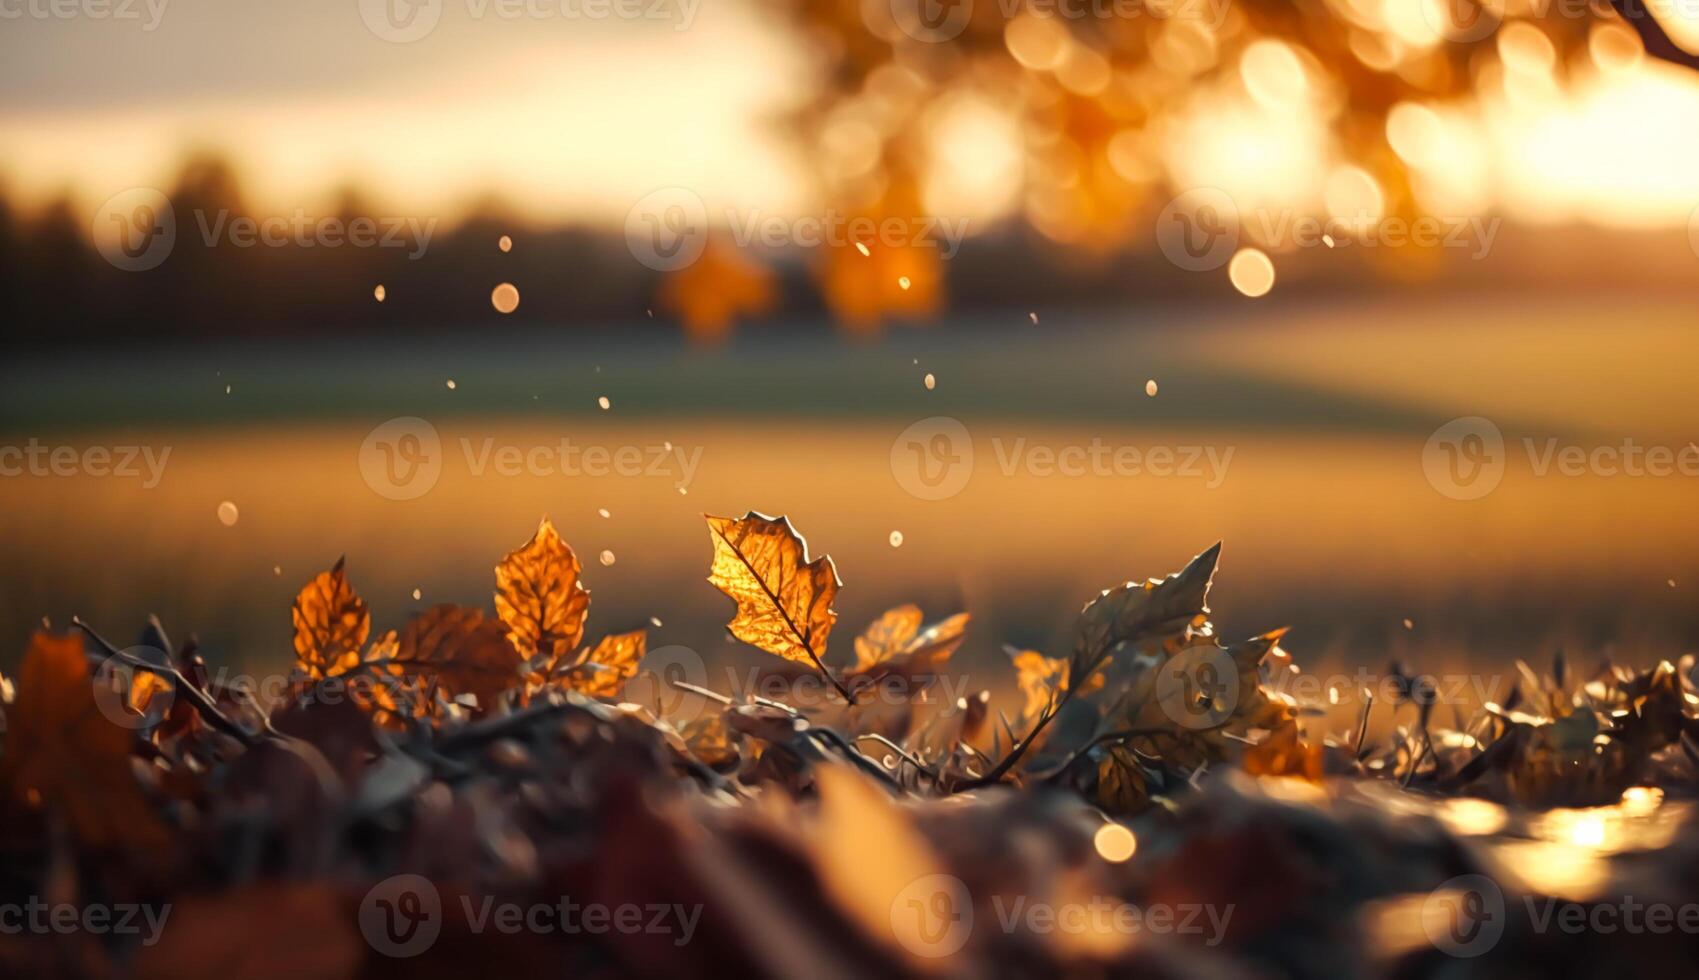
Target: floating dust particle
[450, 383]
[859, 247]
[903, 281]
[896, 539]
[1327, 240]
[603, 511]
[505, 298]
[1252, 272]
[1034, 317]
[1114, 843]
[607, 557]
[603, 401]
[227, 389]
[667, 445]
[379, 293]
[505, 244]
[277, 570]
[682, 491]
[655, 621]
[1409, 624]
[417, 594]
[931, 382]
[1150, 387]
[228, 514]
[1672, 583]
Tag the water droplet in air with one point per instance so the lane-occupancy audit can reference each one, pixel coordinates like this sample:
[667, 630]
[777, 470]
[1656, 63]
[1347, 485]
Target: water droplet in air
[379, 293]
[896, 539]
[931, 382]
[603, 401]
[1150, 387]
[859, 247]
[903, 281]
[607, 557]
[604, 512]
[450, 383]
[417, 594]
[505, 244]
[505, 298]
[227, 514]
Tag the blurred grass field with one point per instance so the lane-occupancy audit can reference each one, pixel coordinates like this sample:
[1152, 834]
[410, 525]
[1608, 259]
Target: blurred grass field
[1329, 523]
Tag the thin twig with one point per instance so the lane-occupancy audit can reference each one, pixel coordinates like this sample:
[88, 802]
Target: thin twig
[202, 702]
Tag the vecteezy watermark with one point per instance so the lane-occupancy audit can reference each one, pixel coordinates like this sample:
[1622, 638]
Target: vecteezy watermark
[933, 459]
[1466, 916]
[402, 459]
[937, 21]
[933, 917]
[1201, 228]
[668, 229]
[37, 917]
[33, 458]
[148, 13]
[137, 230]
[1465, 458]
[402, 917]
[406, 21]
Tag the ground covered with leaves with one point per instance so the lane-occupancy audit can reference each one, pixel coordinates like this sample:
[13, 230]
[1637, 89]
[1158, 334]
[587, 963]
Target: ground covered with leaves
[470, 793]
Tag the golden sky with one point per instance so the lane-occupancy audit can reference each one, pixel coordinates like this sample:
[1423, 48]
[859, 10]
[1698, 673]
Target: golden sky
[573, 116]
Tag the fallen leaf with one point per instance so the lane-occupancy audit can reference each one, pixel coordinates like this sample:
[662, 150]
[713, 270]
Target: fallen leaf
[601, 671]
[331, 624]
[784, 600]
[539, 596]
[67, 757]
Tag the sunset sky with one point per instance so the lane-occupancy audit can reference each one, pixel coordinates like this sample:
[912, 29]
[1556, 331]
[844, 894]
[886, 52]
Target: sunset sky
[577, 118]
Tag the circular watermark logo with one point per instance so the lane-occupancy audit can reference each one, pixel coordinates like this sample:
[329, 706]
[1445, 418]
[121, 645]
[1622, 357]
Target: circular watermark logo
[136, 229]
[1458, 21]
[1464, 917]
[933, 458]
[1198, 687]
[932, 916]
[1464, 458]
[668, 229]
[119, 707]
[932, 21]
[401, 916]
[655, 684]
[401, 21]
[402, 458]
[1199, 230]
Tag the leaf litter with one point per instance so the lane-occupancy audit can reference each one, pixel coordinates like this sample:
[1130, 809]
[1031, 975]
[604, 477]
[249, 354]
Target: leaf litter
[862, 827]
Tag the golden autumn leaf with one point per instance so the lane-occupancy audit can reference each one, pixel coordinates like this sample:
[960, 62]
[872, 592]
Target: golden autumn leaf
[1040, 679]
[784, 600]
[64, 754]
[331, 624]
[452, 650]
[896, 645]
[1156, 609]
[539, 596]
[602, 670]
[887, 635]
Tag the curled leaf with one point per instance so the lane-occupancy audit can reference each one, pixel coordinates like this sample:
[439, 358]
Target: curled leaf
[601, 671]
